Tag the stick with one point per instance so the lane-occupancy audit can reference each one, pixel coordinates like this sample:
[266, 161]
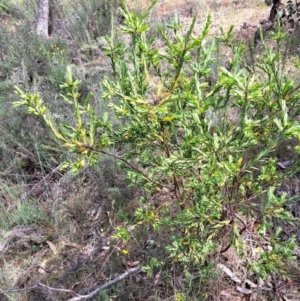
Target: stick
[78, 297]
[106, 285]
[55, 289]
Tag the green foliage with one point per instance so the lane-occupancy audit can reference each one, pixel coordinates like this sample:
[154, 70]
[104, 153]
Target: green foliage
[4, 6]
[121, 233]
[153, 264]
[218, 173]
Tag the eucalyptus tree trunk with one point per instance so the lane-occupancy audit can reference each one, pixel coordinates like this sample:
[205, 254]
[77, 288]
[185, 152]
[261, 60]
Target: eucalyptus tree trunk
[43, 18]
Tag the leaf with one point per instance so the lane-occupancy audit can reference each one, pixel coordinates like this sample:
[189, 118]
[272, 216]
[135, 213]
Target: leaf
[285, 164]
[41, 271]
[52, 247]
[133, 263]
[168, 118]
[42, 267]
[229, 273]
[244, 290]
[189, 33]
[140, 101]
[157, 278]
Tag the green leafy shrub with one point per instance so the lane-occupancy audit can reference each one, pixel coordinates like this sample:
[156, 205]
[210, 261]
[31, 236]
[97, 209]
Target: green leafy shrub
[209, 149]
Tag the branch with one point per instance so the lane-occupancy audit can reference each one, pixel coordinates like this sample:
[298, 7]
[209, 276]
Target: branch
[78, 297]
[106, 285]
[27, 194]
[127, 163]
[55, 289]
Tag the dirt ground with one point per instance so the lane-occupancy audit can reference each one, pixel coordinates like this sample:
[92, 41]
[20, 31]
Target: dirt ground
[224, 13]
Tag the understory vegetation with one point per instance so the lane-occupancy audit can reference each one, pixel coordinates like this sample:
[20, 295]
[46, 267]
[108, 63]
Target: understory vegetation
[140, 146]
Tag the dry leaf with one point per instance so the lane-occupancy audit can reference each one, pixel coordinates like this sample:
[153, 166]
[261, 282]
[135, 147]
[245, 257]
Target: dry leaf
[73, 285]
[133, 263]
[52, 247]
[285, 164]
[42, 267]
[72, 244]
[244, 290]
[225, 294]
[110, 217]
[138, 278]
[41, 271]
[104, 252]
[250, 283]
[288, 283]
[156, 278]
[229, 273]
[97, 214]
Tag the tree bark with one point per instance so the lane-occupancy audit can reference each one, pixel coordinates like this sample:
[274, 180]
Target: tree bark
[43, 18]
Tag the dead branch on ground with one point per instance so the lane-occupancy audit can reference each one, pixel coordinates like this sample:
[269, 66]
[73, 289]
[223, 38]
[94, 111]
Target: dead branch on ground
[78, 297]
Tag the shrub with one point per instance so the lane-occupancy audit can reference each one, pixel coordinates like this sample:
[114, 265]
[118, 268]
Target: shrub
[208, 148]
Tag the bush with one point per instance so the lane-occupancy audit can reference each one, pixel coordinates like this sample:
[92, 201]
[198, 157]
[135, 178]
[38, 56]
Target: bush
[209, 149]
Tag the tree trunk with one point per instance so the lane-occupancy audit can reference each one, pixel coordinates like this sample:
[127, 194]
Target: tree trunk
[43, 18]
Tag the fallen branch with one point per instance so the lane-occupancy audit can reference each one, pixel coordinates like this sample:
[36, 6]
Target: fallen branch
[80, 297]
[106, 285]
[55, 289]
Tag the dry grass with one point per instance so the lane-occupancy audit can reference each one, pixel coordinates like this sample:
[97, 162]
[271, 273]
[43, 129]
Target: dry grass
[223, 12]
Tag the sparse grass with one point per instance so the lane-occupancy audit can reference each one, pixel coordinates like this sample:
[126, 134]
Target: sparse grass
[9, 275]
[15, 211]
[28, 213]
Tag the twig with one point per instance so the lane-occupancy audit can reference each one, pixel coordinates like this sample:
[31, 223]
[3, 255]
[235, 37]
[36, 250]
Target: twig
[127, 163]
[55, 288]
[106, 285]
[78, 297]
[27, 194]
